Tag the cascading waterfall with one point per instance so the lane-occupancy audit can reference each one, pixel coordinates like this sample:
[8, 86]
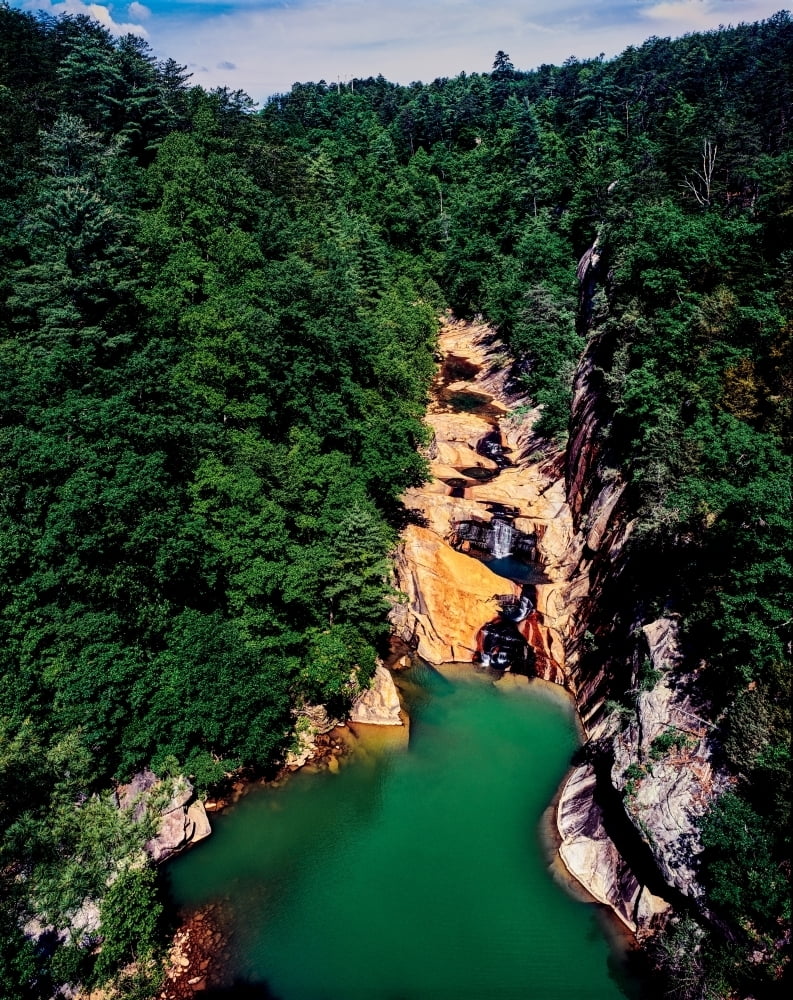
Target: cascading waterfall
[503, 534]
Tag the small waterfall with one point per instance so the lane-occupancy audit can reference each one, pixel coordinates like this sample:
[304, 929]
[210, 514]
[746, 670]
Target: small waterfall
[517, 610]
[503, 534]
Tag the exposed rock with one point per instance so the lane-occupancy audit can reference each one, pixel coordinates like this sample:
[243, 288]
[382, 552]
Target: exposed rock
[311, 721]
[84, 923]
[319, 718]
[587, 850]
[676, 778]
[379, 705]
[669, 742]
[196, 960]
[598, 525]
[449, 597]
[676, 785]
[183, 820]
[663, 643]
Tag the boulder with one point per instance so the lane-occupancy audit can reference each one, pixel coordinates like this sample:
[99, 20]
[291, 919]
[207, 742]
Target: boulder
[379, 705]
[183, 819]
[587, 850]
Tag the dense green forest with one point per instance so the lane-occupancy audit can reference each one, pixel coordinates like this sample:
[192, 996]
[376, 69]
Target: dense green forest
[218, 328]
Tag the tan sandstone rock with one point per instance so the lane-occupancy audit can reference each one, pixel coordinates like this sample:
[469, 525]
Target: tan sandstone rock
[379, 705]
[450, 596]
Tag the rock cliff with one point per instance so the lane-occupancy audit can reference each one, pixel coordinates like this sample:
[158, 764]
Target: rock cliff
[649, 757]
[628, 812]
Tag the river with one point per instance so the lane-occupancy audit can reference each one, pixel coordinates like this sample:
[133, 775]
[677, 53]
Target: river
[414, 873]
[422, 870]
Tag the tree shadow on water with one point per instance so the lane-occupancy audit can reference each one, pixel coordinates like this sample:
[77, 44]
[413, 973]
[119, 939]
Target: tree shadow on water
[240, 990]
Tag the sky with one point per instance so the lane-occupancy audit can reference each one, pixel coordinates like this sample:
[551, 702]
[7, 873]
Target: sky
[264, 46]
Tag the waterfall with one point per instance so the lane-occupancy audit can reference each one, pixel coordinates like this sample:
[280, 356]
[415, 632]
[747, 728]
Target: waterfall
[503, 533]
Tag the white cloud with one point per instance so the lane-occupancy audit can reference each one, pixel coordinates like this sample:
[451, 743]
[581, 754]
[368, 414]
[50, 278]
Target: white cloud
[139, 11]
[691, 11]
[679, 16]
[99, 12]
[406, 41]
[273, 43]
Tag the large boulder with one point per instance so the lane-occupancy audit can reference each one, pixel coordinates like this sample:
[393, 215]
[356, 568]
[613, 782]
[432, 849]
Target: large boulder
[379, 705]
[182, 818]
[587, 850]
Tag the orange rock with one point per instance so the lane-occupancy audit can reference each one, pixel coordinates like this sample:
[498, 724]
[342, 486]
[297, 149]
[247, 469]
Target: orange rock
[456, 597]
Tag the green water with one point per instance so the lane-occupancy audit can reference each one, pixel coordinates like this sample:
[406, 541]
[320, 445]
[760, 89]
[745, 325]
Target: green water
[414, 874]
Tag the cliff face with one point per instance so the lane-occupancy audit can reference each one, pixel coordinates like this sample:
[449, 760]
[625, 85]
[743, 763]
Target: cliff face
[629, 812]
[483, 480]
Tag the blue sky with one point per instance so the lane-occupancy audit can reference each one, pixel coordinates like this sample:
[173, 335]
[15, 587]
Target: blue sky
[263, 46]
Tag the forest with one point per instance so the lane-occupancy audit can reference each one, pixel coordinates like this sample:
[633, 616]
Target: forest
[218, 332]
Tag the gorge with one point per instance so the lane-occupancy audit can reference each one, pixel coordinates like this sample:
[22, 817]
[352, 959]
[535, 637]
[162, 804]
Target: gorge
[458, 609]
[219, 338]
[490, 570]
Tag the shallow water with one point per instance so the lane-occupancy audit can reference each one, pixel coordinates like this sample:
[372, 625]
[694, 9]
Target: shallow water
[516, 569]
[414, 874]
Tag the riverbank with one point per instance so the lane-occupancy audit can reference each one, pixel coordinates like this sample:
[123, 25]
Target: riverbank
[201, 947]
[489, 472]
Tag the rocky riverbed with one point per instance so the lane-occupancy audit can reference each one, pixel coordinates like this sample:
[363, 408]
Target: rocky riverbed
[490, 475]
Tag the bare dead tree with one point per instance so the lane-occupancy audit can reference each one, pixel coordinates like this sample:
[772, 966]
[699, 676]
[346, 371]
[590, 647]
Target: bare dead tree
[701, 184]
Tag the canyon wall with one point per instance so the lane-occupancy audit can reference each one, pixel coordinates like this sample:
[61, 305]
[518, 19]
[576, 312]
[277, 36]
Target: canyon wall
[628, 813]
[629, 809]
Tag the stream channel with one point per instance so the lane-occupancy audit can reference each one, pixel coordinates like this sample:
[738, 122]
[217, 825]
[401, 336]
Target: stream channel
[421, 868]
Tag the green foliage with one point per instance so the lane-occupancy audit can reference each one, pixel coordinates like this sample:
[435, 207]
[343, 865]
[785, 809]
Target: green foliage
[756, 891]
[544, 332]
[633, 774]
[129, 916]
[668, 740]
[678, 952]
[648, 675]
[326, 671]
[18, 966]
[216, 339]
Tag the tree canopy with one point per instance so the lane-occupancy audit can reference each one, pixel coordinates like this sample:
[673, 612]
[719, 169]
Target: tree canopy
[217, 335]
